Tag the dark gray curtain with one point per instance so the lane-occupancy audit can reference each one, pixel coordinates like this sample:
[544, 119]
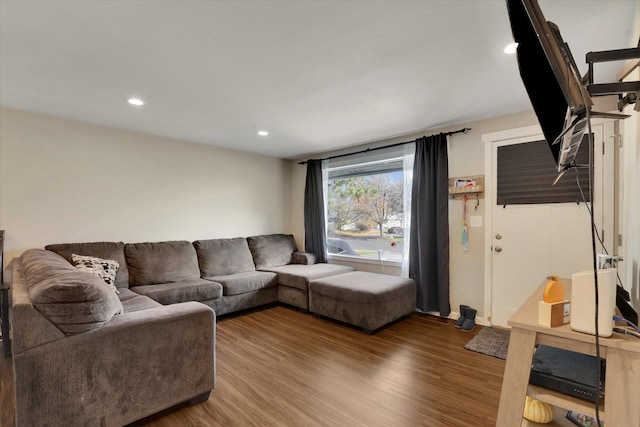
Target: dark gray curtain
[429, 243]
[314, 227]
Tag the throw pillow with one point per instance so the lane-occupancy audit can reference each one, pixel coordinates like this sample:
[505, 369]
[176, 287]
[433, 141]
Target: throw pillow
[106, 269]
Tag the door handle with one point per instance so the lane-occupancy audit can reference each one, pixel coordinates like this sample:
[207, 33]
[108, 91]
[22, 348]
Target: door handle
[498, 249]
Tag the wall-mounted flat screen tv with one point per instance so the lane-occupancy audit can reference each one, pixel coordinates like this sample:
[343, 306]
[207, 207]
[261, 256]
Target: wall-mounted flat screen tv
[552, 80]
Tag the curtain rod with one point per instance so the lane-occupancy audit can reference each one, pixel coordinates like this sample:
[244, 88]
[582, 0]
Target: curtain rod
[463, 130]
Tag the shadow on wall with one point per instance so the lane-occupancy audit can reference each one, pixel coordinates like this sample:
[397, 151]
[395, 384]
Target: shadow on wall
[635, 286]
[4, 278]
[7, 272]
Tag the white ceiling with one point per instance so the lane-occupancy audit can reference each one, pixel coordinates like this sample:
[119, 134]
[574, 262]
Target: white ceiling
[318, 75]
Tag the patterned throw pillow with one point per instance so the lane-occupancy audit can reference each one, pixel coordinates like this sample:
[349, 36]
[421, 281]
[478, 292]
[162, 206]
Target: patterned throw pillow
[105, 269]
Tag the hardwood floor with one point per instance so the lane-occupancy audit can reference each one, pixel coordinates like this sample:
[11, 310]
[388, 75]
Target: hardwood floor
[6, 392]
[280, 367]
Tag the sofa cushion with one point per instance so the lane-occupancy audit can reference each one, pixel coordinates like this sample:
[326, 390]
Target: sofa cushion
[132, 301]
[240, 283]
[298, 275]
[367, 300]
[306, 258]
[271, 250]
[187, 290]
[104, 250]
[219, 257]
[73, 300]
[161, 262]
[106, 269]
[364, 287]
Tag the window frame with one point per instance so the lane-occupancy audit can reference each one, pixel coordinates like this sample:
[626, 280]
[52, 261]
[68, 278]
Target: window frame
[389, 162]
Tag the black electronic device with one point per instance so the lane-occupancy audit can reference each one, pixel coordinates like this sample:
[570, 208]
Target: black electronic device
[567, 372]
[552, 80]
[560, 97]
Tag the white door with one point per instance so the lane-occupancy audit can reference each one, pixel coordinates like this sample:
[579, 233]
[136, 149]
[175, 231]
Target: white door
[531, 242]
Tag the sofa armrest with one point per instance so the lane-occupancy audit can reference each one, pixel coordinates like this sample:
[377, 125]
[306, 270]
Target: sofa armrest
[306, 258]
[136, 365]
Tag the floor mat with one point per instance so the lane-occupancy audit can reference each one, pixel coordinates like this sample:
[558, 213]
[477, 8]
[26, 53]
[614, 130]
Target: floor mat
[490, 341]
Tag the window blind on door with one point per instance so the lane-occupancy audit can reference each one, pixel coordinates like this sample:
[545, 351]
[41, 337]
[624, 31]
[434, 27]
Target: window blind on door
[526, 172]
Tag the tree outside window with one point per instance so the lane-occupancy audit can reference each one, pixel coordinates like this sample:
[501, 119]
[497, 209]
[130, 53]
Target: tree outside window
[365, 215]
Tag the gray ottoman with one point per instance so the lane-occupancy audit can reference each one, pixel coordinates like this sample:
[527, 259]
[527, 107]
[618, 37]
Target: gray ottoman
[367, 300]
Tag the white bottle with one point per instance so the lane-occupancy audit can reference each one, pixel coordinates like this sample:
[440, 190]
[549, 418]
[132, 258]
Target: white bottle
[583, 302]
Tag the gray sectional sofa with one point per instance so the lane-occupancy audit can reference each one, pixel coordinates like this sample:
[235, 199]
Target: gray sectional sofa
[86, 355]
[227, 275]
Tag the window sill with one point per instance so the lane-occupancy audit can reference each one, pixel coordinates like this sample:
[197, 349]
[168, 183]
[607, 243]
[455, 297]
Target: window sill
[362, 260]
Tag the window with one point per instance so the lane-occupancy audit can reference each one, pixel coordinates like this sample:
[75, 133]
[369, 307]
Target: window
[365, 207]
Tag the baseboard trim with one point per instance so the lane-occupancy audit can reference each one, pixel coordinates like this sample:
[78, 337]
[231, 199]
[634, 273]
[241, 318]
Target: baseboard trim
[454, 315]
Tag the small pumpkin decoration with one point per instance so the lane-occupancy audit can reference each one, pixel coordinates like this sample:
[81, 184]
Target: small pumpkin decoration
[537, 411]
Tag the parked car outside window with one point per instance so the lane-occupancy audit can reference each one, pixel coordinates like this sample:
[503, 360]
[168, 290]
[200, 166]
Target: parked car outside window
[394, 230]
[340, 247]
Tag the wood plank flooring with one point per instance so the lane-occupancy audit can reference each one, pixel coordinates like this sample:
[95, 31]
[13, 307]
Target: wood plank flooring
[7, 403]
[279, 367]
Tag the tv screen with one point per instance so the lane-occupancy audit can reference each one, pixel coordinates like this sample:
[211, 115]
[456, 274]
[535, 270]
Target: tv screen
[552, 80]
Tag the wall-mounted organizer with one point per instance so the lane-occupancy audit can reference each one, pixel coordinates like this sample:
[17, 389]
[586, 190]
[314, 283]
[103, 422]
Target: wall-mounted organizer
[461, 186]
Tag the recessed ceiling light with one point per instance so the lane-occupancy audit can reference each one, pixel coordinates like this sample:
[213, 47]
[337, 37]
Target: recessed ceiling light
[511, 48]
[135, 101]
[263, 133]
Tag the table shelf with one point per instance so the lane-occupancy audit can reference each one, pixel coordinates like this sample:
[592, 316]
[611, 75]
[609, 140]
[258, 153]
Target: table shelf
[565, 401]
[622, 380]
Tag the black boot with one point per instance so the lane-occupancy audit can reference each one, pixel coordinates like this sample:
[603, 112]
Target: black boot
[469, 323]
[460, 320]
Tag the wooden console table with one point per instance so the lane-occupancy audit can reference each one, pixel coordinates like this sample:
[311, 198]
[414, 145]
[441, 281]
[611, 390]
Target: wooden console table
[622, 382]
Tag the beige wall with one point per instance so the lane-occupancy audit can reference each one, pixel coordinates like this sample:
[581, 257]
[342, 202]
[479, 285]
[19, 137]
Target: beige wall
[466, 157]
[631, 195]
[65, 181]
[631, 206]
